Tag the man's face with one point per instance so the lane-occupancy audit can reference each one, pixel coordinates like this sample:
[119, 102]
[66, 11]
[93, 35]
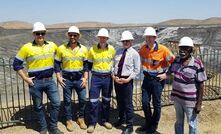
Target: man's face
[126, 43]
[185, 52]
[102, 40]
[39, 35]
[73, 37]
[150, 39]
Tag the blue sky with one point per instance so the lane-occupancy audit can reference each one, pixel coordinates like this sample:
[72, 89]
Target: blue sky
[115, 11]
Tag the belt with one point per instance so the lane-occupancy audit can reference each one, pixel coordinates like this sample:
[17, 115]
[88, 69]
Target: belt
[122, 76]
[47, 78]
[148, 77]
[102, 75]
[153, 78]
[71, 77]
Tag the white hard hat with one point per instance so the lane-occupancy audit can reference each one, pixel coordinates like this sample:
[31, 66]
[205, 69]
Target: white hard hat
[103, 32]
[73, 29]
[150, 31]
[38, 26]
[186, 41]
[126, 35]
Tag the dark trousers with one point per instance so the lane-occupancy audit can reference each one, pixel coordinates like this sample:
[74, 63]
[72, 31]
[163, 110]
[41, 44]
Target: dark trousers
[36, 91]
[98, 84]
[152, 89]
[67, 91]
[124, 94]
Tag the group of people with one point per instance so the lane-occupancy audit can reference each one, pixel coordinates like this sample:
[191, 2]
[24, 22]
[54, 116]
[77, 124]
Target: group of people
[72, 61]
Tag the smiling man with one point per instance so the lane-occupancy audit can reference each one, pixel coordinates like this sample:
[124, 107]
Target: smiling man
[126, 67]
[71, 59]
[100, 58]
[39, 57]
[155, 58]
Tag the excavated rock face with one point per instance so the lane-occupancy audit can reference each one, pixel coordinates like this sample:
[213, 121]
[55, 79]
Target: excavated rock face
[207, 36]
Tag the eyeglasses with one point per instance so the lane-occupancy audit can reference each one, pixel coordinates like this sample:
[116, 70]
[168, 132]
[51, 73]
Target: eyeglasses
[75, 35]
[185, 48]
[40, 33]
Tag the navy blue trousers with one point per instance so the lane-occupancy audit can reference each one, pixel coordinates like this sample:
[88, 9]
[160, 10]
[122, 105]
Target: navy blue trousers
[98, 84]
[124, 94]
[152, 90]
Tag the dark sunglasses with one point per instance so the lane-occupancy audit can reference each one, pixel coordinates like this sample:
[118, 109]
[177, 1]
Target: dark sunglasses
[126, 41]
[185, 48]
[40, 33]
[75, 35]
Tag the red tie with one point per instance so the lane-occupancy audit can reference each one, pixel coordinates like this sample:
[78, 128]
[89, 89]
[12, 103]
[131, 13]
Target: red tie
[121, 63]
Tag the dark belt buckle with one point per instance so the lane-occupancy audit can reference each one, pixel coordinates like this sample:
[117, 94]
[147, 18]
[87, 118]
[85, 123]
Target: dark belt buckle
[150, 78]
[71, 78]
[157, 79]
[105, 76]
[49, 78]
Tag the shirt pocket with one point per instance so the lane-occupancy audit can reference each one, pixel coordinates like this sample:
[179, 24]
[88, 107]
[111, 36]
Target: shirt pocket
[49, 50]
[156, 61]
[128, 62]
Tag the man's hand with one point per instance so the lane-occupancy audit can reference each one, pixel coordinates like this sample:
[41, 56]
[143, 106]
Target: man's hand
[197, 108]
[61, 81]
[162, 76]
[29, 81]
[118, 80]
[24, 76]
[84, 82]
[123, 80]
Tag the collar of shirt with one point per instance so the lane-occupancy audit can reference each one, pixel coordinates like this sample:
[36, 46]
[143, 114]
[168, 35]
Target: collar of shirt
[127, 49]
[99, 47]
[34, 43]
[78, 44]
[191, 63]
[156, 46]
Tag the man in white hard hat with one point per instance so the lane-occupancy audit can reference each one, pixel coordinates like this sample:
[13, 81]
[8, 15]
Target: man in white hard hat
[187, 93]
[71, 59]
[155, 60]
[100, 63]
[39, 58]
[126, 67]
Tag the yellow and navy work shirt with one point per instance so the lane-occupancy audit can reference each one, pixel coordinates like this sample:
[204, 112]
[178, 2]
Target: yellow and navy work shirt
[71, 60]
[101, 59]
[155, 61]
[39, 59]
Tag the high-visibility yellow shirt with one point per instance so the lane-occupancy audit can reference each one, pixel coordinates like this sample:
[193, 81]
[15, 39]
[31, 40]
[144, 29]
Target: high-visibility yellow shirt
[71, 59]
[102, 59]
[156, 60]
[38, 58]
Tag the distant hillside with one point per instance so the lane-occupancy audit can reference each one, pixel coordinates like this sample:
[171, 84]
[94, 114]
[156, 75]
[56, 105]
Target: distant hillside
[179, 22]
[16, 25]
[94, 24]
[83, 24]
[89, 24]
[211, 21]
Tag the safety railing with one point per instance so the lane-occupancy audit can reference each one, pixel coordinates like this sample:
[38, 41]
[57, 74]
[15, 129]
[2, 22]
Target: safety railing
[16, 104]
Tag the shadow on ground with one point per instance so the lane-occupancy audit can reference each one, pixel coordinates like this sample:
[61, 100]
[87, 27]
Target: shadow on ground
[26, 117]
